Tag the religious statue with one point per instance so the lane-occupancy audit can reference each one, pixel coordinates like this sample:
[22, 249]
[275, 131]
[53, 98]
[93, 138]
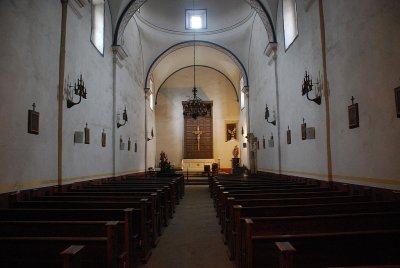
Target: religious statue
[235, 151]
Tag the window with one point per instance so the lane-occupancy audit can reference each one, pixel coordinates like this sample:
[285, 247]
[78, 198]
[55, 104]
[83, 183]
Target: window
[241, 93]
[151, 97]
[196, 19]
[97, 35]
[289, 22]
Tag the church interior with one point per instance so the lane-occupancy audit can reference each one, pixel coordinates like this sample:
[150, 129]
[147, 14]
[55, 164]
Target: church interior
[154, 106]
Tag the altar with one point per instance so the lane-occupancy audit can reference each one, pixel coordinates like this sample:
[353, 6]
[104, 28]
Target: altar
[196, 165]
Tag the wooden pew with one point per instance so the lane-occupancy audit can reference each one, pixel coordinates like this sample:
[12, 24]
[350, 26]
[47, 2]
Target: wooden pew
[239, 212]
[125, 216]
[162, 207]
[145, 240]
[41, 253]
[152, 215]
[103, 240]
[358, 249]
[260, 233]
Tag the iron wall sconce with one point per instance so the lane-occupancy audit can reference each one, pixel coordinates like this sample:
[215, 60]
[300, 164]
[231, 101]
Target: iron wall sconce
[273, 122]
[124, 117]
[78, 89]
[151, 134]
[308, 86]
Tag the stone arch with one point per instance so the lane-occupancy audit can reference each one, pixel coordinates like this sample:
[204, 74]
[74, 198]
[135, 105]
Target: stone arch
[192, 43]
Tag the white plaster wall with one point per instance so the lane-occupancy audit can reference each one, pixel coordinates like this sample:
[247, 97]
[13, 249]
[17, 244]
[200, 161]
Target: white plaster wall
[169, 119]
[302, 157]
[130, 93]
[262, 91]
[82, 161]
[29, 53]
[363, 61]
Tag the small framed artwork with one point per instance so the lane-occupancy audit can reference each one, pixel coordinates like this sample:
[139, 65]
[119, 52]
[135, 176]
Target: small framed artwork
[33, 121]
[103, 139]
[87, 134]
[263, 142]
[353, 114]
[231, 131]
[303, 131]
[397, 99]
[288, 136]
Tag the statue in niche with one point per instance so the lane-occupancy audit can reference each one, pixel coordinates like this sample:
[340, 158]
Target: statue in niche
[235, 151]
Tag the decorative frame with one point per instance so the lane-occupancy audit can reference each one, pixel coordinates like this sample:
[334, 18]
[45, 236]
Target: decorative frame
[33, 122]
[103, 139]
[354, 121]
[397, 99]
[231, 131]
[87, 134]
[303, 130]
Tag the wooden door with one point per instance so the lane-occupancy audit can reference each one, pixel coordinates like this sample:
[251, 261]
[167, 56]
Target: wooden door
[198, 136]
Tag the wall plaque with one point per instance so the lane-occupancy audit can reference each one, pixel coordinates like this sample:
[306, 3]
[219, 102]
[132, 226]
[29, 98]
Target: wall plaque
[353, 114]
[310, 133]
[397, 98]
[78, 137]
[33, 121]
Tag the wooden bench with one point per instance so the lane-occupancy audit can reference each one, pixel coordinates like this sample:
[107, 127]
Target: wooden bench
[139, 221]
[103, 240]
[260, 233]
[239, 212]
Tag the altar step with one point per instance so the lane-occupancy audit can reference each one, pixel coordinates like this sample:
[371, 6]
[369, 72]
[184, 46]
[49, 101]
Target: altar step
[196, 181]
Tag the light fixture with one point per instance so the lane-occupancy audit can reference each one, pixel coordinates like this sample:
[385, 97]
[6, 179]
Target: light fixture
[308, 86]
[194, 107]
[273, 122]
[78, 89]
[124, 117]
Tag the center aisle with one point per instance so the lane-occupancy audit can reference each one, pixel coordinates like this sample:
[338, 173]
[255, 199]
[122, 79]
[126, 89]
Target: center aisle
[193, 237]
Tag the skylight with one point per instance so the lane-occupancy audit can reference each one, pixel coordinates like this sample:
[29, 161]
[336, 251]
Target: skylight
[196, 19]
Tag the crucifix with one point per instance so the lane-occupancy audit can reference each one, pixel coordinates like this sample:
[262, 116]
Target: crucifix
[198, 133]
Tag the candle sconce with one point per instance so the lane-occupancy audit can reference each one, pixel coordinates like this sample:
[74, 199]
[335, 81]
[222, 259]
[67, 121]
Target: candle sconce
[124, 117]
[308, 86]
[78, 89]
[273, 122]
[151, 134]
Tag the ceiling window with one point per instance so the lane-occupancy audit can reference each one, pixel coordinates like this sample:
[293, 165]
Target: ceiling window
[290, 22]
[97, 35]
[196, 19]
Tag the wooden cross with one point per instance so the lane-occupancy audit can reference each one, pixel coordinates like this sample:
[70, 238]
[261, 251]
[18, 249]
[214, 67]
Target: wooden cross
[198, 133]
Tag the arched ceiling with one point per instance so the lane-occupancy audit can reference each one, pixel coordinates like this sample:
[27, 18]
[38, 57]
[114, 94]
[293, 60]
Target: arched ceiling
[205, 56]
[161, 25]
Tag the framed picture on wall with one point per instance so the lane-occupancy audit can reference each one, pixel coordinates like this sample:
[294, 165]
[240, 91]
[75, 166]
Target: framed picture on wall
[353, 116]
[397, 99]
[230, 131]
[303, 131]
[33, 122]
